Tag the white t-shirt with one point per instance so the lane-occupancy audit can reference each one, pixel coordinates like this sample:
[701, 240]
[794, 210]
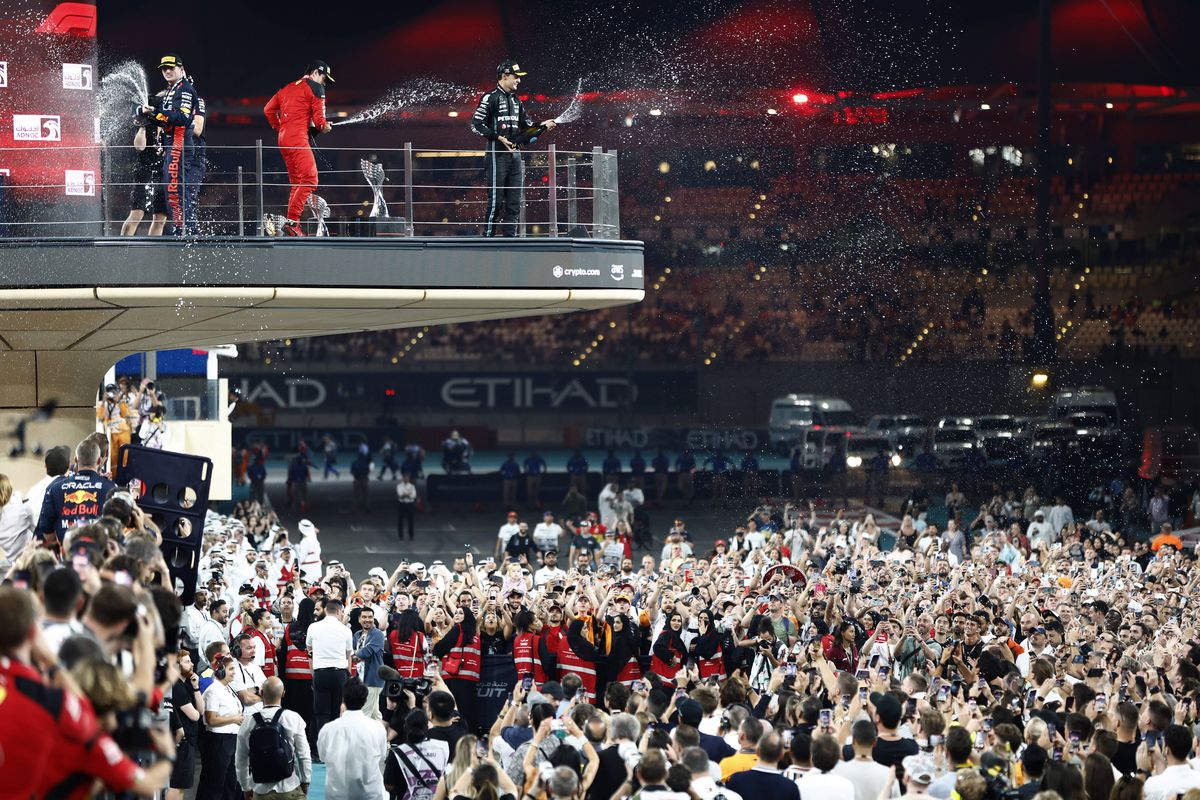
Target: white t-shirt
[547, 574]
[868, 778]
[223, 701]
[546, 536]
[826, 785]
[506, 532]
[329, 641]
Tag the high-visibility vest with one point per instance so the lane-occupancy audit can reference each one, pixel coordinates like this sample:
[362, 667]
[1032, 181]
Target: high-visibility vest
[468, 669]
[632, 671]
[569, 662]
[409, 656]
[714, 666]
[524, 647]
[268, 666]
[667, 673]
[553, 637]
[287, 574]
[296, 664]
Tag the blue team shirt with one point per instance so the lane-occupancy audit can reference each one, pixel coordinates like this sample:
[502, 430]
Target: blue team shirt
[577, 465]
[685, 463]
[612, 465]
[637, 465]
[535, 465]
[661, 464]
[510, 469]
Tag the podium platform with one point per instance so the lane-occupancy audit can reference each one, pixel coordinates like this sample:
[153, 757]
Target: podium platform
[72, 307]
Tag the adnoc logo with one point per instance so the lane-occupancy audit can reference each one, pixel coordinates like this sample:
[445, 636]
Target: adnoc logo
[558, 271]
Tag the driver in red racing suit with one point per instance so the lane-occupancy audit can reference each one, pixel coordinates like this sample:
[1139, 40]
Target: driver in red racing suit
[290, 112]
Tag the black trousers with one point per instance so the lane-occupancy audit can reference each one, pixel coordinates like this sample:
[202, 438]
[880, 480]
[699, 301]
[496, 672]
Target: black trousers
[464, 699]
[298, 697]
[504, 176]
[405, 516]
[218, 779]
[327, 696]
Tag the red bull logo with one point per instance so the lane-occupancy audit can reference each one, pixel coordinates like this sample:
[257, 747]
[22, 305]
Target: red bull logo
[80, 496]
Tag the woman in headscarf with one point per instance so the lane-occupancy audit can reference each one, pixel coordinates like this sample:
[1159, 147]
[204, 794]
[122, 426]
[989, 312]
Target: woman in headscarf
[295, 666]
[669, 652]
[623, 664]
[461, 657]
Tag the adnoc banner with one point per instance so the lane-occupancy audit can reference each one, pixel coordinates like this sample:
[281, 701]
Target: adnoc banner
[504, 392]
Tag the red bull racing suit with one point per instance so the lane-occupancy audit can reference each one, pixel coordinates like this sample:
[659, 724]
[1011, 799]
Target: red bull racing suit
[175, 116]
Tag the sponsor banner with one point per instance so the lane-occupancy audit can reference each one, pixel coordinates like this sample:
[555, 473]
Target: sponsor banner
[77, 76]
[591, 392]
[80, 182]
[286, 441]
[37, 128]
[702, 439]
[497, 677]
[3, 74]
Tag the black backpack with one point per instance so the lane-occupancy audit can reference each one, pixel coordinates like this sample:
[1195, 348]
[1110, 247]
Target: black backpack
[272, 758]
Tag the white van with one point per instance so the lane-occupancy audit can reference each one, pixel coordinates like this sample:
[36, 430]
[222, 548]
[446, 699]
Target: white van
[794, 415]
[1089, 399]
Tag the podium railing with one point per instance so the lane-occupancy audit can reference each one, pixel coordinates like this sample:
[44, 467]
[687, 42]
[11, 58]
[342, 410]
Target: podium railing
[54, 191]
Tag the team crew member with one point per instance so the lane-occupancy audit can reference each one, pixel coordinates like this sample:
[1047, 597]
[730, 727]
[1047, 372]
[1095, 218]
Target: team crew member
[147, 196]
[175, 116]
[500, 118]
[290, 112]
[112, 411]
[75, 498]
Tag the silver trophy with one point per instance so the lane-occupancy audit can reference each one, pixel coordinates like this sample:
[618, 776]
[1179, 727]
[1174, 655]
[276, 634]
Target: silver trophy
[320, 210]
[375, 178]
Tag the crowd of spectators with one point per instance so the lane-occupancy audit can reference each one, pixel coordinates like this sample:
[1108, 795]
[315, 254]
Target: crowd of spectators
[798, 655]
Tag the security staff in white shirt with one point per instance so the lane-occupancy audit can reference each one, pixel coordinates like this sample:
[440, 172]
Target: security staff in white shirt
[223, 715]
[293, 725]
[353, 747]
[248, 677]
[194, 617]
[329, 647]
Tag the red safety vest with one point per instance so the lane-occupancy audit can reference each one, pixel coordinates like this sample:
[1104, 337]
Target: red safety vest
[715, 666]
[553, 637]
[660, 668]
[569, 662]
[296, 664]
[524, 651]
[470, 655]
[287, 574]
[268, 666]
[632, 671]
[409, 656]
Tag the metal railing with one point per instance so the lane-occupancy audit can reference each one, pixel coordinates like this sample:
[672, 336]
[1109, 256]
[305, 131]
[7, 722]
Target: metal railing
[51, 191]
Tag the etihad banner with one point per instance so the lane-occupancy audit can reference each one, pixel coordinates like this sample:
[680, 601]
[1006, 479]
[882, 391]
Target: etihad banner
[507, 392]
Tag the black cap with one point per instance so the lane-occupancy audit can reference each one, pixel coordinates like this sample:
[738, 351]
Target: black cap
[321, 67]
[170, 60]
[508, 65]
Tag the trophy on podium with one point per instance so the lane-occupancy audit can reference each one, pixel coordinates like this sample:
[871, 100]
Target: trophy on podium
[375, 178]
[384, 223]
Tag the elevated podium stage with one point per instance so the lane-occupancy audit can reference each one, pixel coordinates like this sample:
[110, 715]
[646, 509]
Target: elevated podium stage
[70, 308]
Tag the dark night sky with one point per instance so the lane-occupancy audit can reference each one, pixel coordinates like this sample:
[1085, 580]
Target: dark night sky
[242, 49]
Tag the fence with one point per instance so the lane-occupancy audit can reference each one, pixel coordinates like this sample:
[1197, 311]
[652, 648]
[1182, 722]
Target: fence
[423, 192]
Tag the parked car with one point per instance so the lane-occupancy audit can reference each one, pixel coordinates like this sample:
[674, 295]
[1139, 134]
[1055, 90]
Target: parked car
[795, 414]
[951, 445]
[1000, 435]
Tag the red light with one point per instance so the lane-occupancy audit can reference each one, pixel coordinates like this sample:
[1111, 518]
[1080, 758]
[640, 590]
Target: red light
[389, 392]
[799, 98]
[816, 427]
